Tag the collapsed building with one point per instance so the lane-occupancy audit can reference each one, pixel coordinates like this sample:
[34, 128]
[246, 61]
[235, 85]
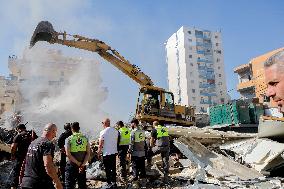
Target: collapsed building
[200, 158]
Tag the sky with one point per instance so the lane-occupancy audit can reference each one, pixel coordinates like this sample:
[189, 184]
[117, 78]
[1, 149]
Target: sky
[138, 30]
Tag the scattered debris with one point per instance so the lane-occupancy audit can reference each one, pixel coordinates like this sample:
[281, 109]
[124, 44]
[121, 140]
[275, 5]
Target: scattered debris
[214, 164]
[260, 154]
[95, 171]
[200, 158]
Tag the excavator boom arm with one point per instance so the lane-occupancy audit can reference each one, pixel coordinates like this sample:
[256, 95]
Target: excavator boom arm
[45, 32]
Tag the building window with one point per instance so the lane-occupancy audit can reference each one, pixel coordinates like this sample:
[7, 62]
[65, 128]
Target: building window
[217, 44]
[190, 74]
[216, 36]
[193, 90]
[220, 75]
[222, 100]
[189, 32]
[218, 67]
[190, 48]
[190, 56]
[191, 64]
[190, 40]
[220, 83]
[193, 98]
[62, 73]
[218, 59]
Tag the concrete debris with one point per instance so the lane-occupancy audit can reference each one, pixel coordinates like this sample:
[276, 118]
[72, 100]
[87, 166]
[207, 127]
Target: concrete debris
[201, 158]
[6, 168]
[261, 154]
[214, 164]
[271, 128]
[4, 147]
[7, 135]
[207, 136]
[95, 171]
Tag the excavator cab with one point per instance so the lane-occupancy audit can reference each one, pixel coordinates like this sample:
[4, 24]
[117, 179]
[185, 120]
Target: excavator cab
[149, 101]
[155, 104]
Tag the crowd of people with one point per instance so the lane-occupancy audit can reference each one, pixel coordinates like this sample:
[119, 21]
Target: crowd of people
[33, 156]
[132, 144]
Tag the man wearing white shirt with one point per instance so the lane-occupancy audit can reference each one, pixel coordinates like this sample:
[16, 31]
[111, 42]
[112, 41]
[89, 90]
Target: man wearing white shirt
[108, 147]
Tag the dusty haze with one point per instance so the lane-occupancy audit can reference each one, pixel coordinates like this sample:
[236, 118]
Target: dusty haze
[80, 100]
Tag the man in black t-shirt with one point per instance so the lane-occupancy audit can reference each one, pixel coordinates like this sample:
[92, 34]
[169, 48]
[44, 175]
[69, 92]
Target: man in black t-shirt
[61, 143]
[40, 172]
[19, 150]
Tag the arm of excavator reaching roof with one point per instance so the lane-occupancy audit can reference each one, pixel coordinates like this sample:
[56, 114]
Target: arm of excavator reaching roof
[45, 32]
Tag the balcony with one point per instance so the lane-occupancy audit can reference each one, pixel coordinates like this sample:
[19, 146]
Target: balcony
[201, 60]
[199, 44]
[243, 68]
[208, 94]
[207, 85]
[200, 52]
[202, 68]
[245, 85]
[197, 35]
[204, 75]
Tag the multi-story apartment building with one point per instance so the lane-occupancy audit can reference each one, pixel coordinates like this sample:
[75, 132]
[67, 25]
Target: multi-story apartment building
[251, 77]
[196, 68]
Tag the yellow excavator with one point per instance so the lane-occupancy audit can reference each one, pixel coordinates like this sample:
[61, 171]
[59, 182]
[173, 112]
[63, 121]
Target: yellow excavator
[153, 103]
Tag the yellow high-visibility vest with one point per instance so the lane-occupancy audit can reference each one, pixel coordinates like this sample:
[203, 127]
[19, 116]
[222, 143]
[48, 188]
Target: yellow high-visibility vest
[124, 136]
[139, 136]
[162, 131]
[78, 143]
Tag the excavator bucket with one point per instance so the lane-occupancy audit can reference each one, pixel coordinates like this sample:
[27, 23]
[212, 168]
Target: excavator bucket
[43, 32]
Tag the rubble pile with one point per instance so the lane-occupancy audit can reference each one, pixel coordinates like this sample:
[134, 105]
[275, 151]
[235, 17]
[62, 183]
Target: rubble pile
[6, 135]
[6, 170]
[200, 158]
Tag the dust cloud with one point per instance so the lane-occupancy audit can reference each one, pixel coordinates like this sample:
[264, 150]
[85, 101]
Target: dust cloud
[74, 97]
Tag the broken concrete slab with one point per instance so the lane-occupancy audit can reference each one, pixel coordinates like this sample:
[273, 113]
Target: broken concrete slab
[261, 154]
[207, 136]
[271, 127]
[215, 164]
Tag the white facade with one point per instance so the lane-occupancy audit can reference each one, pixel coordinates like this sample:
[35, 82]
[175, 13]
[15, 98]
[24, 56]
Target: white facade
[196, 68]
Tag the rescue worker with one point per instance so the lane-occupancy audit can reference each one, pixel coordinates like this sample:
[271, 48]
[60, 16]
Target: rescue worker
[108, 147]
[19, 150]
[40, 171]
[123, 146]
[78, 152]
[160, 144]
[61, 143]
[149, 149]
[138, 149]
